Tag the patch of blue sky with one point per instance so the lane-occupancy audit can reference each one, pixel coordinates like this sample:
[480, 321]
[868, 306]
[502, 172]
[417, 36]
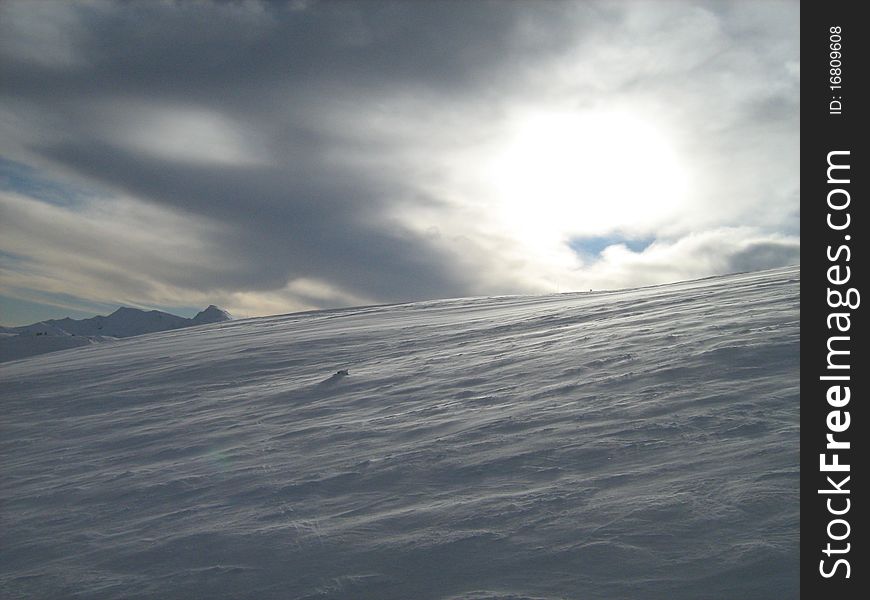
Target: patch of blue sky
[594, 246]
[28, 181]
[9, 257]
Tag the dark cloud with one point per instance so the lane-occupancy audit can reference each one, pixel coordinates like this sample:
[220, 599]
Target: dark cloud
[300, 130]
[286, 222]
[298, 217]
[765, 255]
[254, 53]
[274, 67]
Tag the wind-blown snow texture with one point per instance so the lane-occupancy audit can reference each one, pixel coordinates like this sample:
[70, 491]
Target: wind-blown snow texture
[634, 444]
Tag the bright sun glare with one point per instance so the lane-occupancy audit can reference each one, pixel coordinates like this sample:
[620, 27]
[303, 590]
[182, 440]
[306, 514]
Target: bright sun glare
[563, 175]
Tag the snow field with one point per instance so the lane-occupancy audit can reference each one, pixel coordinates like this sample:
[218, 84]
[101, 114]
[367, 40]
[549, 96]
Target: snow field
[632, 444]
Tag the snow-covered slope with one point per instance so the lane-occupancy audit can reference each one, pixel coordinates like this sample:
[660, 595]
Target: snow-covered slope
[16, 346]
[39, 338]
[634, 444]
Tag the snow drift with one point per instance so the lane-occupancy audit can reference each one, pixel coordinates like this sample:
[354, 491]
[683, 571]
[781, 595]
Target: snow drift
[631, 444]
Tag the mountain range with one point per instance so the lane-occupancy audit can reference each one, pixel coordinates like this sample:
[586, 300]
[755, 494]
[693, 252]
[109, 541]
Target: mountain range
[62, 334]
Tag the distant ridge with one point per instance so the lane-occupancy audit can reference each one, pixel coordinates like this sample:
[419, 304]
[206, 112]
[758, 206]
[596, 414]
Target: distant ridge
[62, 334]
[212, 314]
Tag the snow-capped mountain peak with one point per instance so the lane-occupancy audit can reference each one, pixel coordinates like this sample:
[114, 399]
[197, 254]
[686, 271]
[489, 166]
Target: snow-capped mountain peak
[212, 314]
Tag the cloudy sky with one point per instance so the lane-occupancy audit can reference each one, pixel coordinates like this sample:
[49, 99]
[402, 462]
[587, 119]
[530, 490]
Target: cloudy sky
[275, 157]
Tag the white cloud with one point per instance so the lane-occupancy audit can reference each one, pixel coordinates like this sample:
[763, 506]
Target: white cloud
[181, 133]
[713, 252]
[43, 33]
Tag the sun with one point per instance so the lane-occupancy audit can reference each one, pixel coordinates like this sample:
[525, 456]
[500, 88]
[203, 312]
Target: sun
[561, 174]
